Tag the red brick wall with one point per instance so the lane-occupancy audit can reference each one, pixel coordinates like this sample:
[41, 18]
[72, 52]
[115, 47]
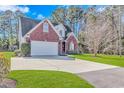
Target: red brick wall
[69, 40]
[39, 35]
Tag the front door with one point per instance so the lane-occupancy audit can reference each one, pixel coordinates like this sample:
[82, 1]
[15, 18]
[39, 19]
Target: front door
[63, 47]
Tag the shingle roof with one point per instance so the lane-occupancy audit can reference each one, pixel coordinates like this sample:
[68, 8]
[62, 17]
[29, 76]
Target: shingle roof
[27, 24]
[54, 24]
[68, 29]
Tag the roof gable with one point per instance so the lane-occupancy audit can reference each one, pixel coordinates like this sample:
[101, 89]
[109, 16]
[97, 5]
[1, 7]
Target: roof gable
[71, 34]
[66, 28]
[36, 26]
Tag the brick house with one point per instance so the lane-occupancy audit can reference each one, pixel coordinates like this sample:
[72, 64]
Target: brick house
[47, 38]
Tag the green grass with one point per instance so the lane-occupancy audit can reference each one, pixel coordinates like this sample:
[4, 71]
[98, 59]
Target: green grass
[106, 59]
[47, 79]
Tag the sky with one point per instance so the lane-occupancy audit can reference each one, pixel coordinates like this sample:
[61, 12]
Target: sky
[43, 11]
[39, 11]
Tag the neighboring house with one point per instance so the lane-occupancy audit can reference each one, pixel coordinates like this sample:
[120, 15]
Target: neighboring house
[47, 38]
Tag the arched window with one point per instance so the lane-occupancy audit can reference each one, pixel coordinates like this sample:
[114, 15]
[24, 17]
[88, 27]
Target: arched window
[45, 27]
[71, 46]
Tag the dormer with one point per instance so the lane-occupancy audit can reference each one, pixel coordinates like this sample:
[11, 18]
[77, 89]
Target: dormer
[61, 30]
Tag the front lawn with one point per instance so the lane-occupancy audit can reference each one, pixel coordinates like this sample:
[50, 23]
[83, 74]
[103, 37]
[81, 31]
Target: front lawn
[47, 79]
[106, 59]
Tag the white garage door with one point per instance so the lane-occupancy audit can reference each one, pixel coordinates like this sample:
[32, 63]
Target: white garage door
[44, 48]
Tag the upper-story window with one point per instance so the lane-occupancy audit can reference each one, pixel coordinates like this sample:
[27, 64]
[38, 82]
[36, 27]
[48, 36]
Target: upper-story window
[60, 32]
[45, 27]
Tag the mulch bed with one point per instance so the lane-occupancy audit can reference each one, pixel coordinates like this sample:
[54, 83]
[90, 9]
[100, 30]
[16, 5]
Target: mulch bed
[8, 83]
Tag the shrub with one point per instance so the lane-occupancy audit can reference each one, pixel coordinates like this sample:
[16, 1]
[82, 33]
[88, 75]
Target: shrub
[18, 53]
[25, 49]
[4, 66]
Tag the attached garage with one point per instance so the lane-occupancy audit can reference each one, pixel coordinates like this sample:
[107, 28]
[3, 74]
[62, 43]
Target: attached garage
[39, 48]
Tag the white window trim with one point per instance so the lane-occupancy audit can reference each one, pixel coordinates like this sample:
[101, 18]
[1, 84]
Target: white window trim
[45, 27]
[71, 46]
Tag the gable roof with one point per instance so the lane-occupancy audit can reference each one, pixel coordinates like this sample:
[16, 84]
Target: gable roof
[31, 30]
[68, 29]
[71, 34]
[27, 24]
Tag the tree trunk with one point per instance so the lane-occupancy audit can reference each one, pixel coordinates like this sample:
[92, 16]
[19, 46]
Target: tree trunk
[119, 33]
[95, 53]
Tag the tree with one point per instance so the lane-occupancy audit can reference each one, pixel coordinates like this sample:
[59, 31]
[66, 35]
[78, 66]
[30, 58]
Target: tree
[117, 16]
[99, 33]
[58, 16]
[9, 27]
[70, 16]
[102, 32]
[92, 35]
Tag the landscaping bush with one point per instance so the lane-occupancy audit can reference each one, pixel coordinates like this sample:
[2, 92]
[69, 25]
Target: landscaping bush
[4, 67]
[25, 49]
[18, 53]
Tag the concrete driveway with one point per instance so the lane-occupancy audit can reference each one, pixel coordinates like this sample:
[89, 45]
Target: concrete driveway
[59, 63]
[99, 75]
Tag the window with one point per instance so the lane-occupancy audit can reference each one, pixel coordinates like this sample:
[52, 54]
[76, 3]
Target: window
[45, 27]
[60, 32]
[71, 47]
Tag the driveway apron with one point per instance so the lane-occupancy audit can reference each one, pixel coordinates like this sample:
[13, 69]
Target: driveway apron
[108, 78]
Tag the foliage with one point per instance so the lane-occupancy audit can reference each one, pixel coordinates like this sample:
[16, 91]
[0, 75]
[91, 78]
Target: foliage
[47, 79]
[25, 49]
[101, 58]
[9, 28]
[70, 16]
[4, 66]
[18, 53]
[4, 44]
[102, 31]
[8, 55]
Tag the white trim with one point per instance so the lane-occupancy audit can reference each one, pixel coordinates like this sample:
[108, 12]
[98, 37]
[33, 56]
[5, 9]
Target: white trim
[39, 25]
[70, 34]
[53, 27]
